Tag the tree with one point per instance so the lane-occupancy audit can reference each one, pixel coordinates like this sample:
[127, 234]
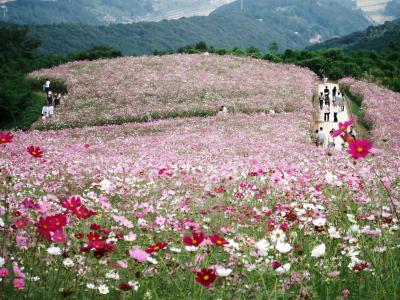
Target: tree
[273, 47]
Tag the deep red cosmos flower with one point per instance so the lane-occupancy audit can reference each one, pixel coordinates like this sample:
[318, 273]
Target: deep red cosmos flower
[195, 240]
[218, 240]
[95, 226]
[93, 236]
[57, 222]
[79, 235]
[21, 223]
[6, 137]
[342, 128]
[206, 277]
[124, 287]
[359, 148]
[35, 151]
[82, 212]
[50, 224]
[71, 203]
[156, 247]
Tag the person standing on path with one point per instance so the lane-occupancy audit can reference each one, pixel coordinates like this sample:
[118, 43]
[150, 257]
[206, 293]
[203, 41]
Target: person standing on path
[334, 90]
[335, 110]
[321, 100]
[340, 101]
[326, 110]
[321, 137]
[326, 91]
[47, 86]
[331, 139]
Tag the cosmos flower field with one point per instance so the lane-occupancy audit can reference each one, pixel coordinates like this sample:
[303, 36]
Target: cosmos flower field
[241, 206]
[133, 87]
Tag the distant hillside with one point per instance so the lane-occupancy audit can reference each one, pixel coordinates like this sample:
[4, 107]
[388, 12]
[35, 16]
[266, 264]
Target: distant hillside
[393, 8]
[291, 23]
[373, 38]
[103, 12]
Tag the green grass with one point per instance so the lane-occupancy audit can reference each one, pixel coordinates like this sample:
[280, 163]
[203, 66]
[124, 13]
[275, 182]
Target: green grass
[357, 109]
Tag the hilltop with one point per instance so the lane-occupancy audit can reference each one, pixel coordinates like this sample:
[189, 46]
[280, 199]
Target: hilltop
[132, 88]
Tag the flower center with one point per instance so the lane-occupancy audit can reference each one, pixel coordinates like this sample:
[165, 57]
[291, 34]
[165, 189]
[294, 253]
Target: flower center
[194, 242]
[359, 149]
[3, 139]
[219, 242]
[206, 277]
[156, 248]
[34, 153]
[343, 128]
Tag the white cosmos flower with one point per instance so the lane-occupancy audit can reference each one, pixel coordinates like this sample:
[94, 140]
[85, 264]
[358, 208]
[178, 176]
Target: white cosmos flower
[54, 250]
[320, 222]
[283, 269]
[90, 286]
[103, 289]
[112, 275]
[262, 247]
[222, 272]
[176, 250]
[68, 262]
[318, 251]
[283, 247]
[2, 223]
[191, 248]
[152, 260]
[2, 262]
[135, 285]
[333, 233]
[278, 235]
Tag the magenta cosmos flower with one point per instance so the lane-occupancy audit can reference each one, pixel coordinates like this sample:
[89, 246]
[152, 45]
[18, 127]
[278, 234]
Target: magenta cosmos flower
[359, 148]
[342, 128]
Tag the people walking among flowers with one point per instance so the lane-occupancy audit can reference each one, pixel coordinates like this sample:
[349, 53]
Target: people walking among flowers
[321, 138]
[321, 100]
[335, 110]
[340, 101]
[326, 110]
[331, 139]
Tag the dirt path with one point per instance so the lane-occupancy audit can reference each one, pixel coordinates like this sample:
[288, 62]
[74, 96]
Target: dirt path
[342, 116]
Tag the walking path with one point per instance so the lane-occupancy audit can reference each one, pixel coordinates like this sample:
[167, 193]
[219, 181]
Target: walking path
[342, 116]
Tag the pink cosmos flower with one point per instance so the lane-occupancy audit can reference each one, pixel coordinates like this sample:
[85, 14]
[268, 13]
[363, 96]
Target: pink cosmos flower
[138, 254]
[59, 237]
[4, 272]
[19, 283]
[359, 148]
[17, 271]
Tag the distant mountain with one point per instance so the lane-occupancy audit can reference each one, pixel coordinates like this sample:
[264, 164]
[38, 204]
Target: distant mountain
[393, 8]
[103, 12]
[373, 38]
[290, 23]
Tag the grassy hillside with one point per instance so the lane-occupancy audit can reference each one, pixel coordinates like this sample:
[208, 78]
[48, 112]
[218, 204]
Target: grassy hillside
[373, 38]
[133, 88]
[292, 24]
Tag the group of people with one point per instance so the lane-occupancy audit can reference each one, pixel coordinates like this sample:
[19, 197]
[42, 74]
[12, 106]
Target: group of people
[329, 141]
[331, 102]
[53, 100]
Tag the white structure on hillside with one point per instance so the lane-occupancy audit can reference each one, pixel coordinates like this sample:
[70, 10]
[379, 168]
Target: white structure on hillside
[374, 9]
